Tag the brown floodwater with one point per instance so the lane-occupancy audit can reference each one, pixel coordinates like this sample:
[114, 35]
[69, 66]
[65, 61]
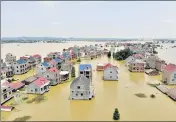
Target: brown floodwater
[109, 95]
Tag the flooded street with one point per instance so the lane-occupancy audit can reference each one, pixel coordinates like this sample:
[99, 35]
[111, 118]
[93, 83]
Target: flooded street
[109, 95]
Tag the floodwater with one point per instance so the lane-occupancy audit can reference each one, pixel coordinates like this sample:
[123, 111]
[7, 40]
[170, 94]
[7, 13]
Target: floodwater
[109, 95]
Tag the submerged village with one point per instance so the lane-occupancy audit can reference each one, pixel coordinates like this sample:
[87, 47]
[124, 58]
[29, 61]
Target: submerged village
[59, 68]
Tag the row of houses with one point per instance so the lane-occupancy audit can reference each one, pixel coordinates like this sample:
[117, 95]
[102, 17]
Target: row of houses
[142, 61]
[11, 66]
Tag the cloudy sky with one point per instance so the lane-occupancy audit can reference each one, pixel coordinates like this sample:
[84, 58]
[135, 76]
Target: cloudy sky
[89, 19]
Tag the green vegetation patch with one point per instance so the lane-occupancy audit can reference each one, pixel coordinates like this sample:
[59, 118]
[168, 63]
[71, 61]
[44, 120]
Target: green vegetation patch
[141, 95]
[24, 118]
[37, 99]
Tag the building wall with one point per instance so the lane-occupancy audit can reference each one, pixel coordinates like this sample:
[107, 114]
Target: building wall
[6, 94]
[10, 58]
[82, 93]
[40, 69]
[20, 68]
[110, 74]
[54, 77]
[136, 67]
[33, 89]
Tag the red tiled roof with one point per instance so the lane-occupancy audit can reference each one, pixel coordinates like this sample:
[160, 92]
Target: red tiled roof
[6, 83]
[170, 67]
[17, 85]
[23, 57]
[40, 81]
[36, 56]
[53, 69]
[107, 65]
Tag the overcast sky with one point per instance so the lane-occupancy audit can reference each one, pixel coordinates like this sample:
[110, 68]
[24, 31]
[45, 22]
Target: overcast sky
[89, 19]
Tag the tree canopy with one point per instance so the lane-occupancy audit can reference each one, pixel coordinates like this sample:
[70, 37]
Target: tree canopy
[123, 54]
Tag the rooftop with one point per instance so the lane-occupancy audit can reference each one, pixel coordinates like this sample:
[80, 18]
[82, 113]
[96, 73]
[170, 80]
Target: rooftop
[85, 66]
[170, 67]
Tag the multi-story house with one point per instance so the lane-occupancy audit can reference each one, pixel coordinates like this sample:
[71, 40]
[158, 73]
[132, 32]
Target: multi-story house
[54, 55]
[110, 72]
[20, 67]
[6, 92]
[3, 73]
[53, 75]
[169, 74]
[81, 89]
[66, 66]
[137, 66]
[42, 67]
[57, 62]
[9, 70]
[37, 58]
[160, 64]
[86, 70]
[10, 58]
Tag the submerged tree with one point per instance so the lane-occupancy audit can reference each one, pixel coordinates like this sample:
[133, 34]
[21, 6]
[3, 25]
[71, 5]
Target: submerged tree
[109, 54]
[116, 115]
[73, 72]
[79, 60]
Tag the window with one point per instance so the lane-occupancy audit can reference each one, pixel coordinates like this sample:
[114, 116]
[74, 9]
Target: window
[21, 70]
[72, 91]
[110, 71]
[81, 94]
[81, 72]
[20, 66]
[17, 67]
[41, 89]
[172, 79]
[87, 72]
[47, 76]
[35, 90]
[175, 76]
[45, 87]
[78, 87]
[5, 96]
[110, 76]
[10, 92]
[4, 90]
[76, 94]
[87, 76]
[41, 68]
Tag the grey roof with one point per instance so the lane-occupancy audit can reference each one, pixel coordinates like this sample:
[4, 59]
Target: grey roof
[30, 79]
[80, 80]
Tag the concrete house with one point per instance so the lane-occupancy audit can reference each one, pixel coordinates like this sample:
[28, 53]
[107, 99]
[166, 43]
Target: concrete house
[10, 58]
[128, 60]
[169, 74]
[137, 66]
[160, 64]
[42, 67]
[80, 89]
[57, 62]
[3, 73]
[110, 72]
[53, 75]
[37, 58]
[6, 92]
[39, 86]
[9, 70]
[20, 67]
[86, 70]
[54, 55]
[66, 66]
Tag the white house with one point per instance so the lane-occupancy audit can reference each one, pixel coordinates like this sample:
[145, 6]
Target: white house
[169, 74]
[9, 70]
[128, 60]
[42, 67]
[53, 75]
[80, 89]
[6, 91]
[10, 58]
[86, 70]
[39, 86]
[3, 74]
[110, 72]
[20, 67]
